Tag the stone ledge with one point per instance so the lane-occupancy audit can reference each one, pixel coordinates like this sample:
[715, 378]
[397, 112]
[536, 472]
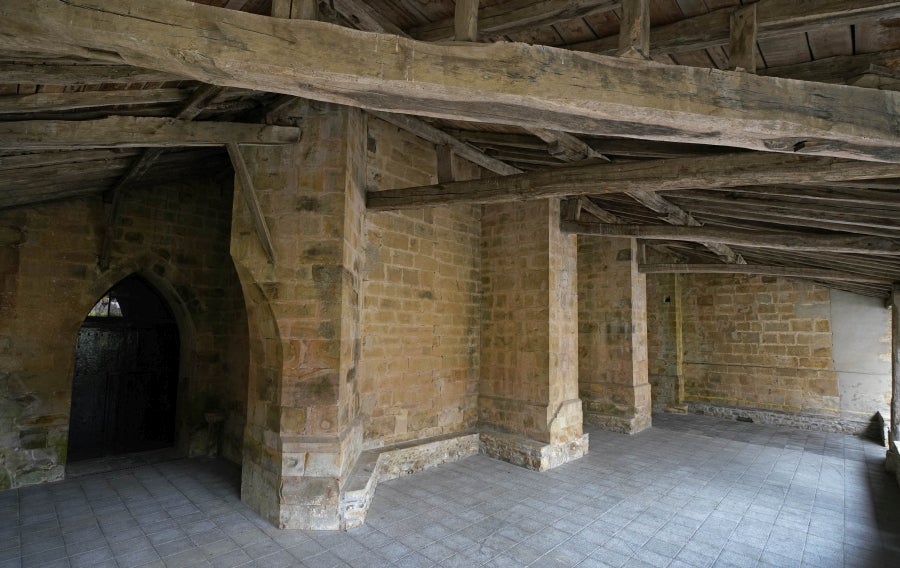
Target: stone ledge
[816, 422]
[391, 462]
[620, 424]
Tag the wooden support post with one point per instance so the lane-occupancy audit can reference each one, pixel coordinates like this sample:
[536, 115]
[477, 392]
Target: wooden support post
[444, 155]
[634, 33]
[679, 343]
[895, 359]
[742, 41]
[466, 20]
[249, 194]
[295, 9]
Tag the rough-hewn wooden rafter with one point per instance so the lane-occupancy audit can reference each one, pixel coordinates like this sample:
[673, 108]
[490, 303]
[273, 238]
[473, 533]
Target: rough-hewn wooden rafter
[45, 102]
[776, 240]
[839, 69]
[505, 83]
[761, 270]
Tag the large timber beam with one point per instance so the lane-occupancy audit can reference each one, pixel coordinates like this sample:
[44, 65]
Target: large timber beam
[774, 18]
[657, 175]
[132, 132]
[775, 240]
[508, 83]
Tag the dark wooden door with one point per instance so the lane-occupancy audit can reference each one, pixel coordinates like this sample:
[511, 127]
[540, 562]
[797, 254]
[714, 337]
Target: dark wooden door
[125, 382]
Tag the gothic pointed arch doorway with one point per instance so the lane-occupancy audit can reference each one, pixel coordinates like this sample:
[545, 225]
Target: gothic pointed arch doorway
[125, 381]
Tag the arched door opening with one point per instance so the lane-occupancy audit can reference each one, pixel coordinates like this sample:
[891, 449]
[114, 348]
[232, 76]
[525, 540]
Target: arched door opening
[126, 374]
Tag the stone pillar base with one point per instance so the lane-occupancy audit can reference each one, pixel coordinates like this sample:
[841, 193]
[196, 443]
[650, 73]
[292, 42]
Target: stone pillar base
[531, 454]
[621, 424]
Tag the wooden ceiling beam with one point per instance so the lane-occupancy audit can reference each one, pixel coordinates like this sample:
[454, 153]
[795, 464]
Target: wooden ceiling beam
[50, 102]
[835, 193]
[774, 240]
[724, 216]
[505, 83]
[43, 159]
[658, 175]
[513, 16]
[132, 132]
[880, 216]
[774, 18]
[72, 74]
[760, 270]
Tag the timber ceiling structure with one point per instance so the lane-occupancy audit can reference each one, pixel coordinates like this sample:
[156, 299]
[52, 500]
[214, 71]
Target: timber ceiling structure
[759, 137]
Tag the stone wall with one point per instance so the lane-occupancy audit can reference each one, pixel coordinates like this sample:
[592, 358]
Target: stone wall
[175, 235]
[758, 342]
[662, 340]
[421, 300]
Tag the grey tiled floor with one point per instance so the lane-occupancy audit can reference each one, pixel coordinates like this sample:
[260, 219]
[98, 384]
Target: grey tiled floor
[692, 492]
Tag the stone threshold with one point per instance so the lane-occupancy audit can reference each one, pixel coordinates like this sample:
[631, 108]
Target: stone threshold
[407, 458]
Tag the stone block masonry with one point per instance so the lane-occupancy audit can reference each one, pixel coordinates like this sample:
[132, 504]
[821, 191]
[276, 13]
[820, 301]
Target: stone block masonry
[759, 342]
[772, 350]
[421, 301]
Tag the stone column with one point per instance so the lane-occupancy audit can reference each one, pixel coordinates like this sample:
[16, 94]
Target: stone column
[612, 351]
[528, 401]
[302, 435]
